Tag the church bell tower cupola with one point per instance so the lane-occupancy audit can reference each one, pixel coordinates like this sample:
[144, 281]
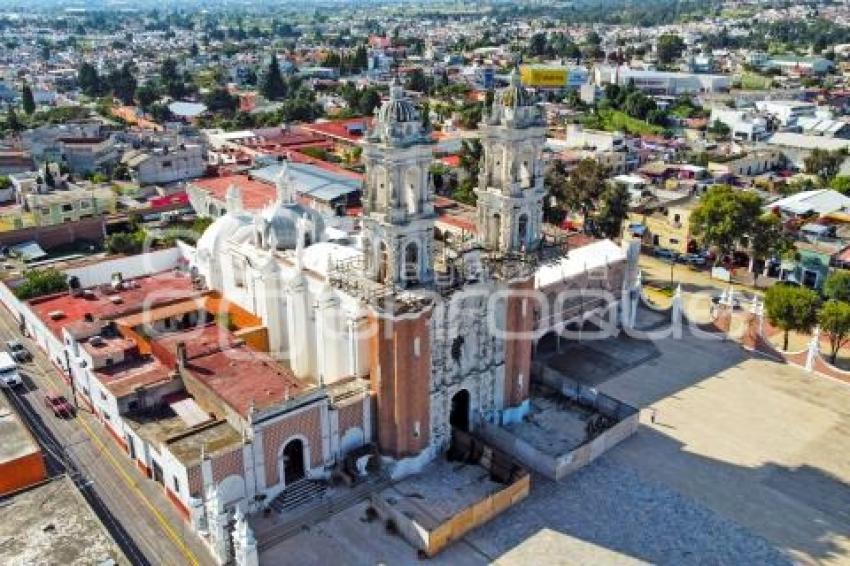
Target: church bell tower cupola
[398, 202]
[510, 184]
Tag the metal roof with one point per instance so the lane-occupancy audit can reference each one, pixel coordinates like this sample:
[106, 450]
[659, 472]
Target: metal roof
[311, 180]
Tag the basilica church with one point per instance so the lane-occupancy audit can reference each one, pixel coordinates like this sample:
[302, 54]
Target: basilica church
[438, 333]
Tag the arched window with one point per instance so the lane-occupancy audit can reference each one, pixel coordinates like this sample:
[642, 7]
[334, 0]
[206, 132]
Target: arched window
[522, 230]
[383, 260]
[411, 263]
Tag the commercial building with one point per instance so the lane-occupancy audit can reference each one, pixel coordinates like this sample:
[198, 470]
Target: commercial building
[661, 82]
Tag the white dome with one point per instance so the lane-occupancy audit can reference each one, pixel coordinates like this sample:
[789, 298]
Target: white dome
[211, 241]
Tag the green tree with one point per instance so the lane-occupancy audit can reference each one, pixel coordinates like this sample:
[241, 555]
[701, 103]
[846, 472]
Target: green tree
[272, 85]
[791, 308]
[220, 100]
[89, 80]
[767, 238]
[584, 187]
[28, 100]
[123, 83]
[146, 95]
[13, 123]
[824, 163]
[38, 283]
[841, 183]
[724, 217]
[612, 210]
[837, 286]
[125, 242]
[669, 48]
[719, 129]
[834, 321]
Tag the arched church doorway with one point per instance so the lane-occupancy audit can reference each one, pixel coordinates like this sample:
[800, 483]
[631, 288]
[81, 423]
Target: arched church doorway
[293, 461]
[459, 415]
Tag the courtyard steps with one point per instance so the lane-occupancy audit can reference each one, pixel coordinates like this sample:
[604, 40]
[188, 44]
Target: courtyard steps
[298, 494]
[314, 509]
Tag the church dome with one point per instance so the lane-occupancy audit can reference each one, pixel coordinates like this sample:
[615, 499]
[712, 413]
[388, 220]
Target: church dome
[280, 225]
[398, 108]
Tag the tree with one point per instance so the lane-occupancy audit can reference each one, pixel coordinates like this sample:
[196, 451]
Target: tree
[89, 81]
[719, 129]
[146, 95]
[834, 321]
[369, 99]
[220, 100]
[42, 282]
[171, 79]
[125, 242]
[791, 308]
[272, 86]
[612, 210]
[824, 163]
[13, 123]
[28, 100]
[669, 48]
[123, 84]
[584, 187]
[767, 238]
[841, 183]
[417, 81]
[837, 286]
[724, 217]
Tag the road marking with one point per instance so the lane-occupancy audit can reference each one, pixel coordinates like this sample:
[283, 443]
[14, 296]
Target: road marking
[134, 485]
[50, 376]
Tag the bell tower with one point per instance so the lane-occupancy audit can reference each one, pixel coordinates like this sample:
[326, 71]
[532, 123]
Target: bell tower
[510, 183]
[398, 204]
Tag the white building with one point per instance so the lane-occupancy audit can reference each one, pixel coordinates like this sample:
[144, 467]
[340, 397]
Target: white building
[165, 165]
[743, 125]
[786, 112]
[661, 82]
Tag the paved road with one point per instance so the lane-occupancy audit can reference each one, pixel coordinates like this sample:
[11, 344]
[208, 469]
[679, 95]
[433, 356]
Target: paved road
[134, 508]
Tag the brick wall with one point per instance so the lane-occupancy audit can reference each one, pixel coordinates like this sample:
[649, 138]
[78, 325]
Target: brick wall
[229, 464]
[350, 416]
[91, 229]
[306, 423]
[400, 379]
[196, 481]
[519, 318]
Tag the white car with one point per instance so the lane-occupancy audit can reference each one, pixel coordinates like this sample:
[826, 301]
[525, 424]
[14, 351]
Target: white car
[9, 376]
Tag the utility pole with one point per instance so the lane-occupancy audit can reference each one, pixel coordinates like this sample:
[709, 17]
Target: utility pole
[71, 380]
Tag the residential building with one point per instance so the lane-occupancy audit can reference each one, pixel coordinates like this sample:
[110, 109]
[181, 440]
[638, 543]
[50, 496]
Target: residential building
[166, 164]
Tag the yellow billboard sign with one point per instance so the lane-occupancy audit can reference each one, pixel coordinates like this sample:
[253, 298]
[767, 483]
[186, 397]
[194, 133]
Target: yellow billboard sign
[543, 77]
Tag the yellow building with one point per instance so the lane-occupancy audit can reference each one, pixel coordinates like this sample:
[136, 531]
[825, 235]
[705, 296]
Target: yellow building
[663, 225]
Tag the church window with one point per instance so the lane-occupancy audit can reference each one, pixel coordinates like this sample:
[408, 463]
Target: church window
[457, 349]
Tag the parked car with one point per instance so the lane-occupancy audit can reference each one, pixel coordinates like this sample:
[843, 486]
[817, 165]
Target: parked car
[9, 376]
[692, 259]
[18, 351]
[664, 253]
[59, 405]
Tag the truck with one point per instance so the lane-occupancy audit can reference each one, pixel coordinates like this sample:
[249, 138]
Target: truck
[9, 376]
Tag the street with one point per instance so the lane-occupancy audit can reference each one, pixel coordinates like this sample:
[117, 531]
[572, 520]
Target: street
[132, 507]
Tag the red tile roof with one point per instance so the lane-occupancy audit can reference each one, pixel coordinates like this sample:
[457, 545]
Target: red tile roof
[141, 292]
[255, 195]
[243, 378]
[341, 129]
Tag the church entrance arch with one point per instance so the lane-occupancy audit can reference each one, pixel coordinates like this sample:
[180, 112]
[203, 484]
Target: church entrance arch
[459, 416]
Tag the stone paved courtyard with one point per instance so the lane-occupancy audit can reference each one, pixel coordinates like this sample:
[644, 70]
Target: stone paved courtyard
[747, 463]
